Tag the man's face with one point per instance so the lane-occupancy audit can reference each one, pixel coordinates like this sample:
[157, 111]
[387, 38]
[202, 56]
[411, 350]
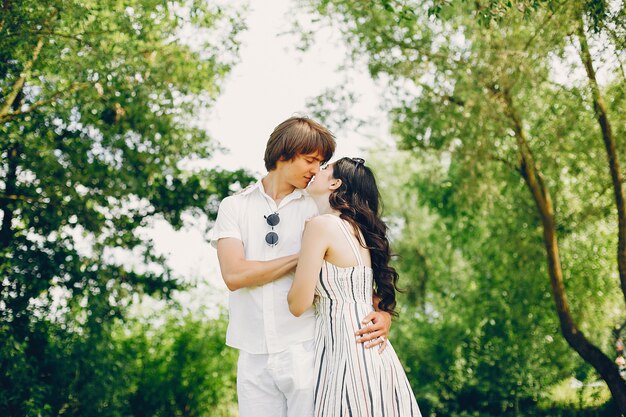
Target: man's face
[302, 168]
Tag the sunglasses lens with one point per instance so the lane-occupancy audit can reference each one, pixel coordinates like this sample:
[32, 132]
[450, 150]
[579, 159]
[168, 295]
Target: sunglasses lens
[273, 219]
[271, 238]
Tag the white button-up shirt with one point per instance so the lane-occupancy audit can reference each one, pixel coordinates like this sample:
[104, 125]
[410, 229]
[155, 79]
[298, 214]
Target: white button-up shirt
[259, 317]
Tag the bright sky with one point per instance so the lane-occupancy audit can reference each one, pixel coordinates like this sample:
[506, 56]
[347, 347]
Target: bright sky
[271, 82]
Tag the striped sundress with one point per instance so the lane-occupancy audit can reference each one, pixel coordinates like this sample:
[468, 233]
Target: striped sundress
[350, 379]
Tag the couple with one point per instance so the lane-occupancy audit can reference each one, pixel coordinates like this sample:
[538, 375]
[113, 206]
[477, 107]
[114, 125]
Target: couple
[294, 361]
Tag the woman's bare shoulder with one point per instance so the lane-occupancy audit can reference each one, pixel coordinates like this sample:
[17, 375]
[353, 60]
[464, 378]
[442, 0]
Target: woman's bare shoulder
[322, 222]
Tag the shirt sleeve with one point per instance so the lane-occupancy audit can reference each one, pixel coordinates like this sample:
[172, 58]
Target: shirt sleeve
[226, 224]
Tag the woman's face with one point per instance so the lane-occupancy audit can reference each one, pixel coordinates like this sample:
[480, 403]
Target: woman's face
[321, 182]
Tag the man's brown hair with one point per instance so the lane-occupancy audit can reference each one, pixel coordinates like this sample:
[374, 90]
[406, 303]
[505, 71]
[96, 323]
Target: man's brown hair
[298, 136]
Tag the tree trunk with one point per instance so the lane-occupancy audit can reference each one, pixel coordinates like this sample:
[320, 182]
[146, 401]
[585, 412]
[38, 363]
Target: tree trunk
[590, 353]
[599, 108]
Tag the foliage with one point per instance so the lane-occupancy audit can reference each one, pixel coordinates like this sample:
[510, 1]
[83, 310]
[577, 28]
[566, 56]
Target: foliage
[480, 333]
[477, 332]
[477, 329]
[181, 368]
[97, 108]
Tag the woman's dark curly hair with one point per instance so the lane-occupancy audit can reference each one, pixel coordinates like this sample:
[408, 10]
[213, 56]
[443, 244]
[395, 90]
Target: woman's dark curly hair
[358, 201]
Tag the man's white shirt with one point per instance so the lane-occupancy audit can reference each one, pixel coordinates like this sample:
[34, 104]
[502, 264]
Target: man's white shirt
[259, 317]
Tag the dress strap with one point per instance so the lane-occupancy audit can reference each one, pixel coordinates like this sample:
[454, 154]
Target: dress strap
[351, 240]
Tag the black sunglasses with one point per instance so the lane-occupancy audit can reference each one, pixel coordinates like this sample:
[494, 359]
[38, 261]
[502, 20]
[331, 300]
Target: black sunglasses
[271, 238]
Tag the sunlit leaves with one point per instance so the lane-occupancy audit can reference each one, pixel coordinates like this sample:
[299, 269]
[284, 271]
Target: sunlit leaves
[463, 78]
[94, 127]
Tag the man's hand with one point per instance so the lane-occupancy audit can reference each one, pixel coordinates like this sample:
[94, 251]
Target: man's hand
[375, 331]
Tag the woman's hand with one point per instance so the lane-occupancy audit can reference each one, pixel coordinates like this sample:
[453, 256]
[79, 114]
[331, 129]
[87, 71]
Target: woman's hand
[375, 331]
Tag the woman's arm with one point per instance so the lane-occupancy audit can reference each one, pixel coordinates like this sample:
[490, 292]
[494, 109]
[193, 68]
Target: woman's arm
[315, 242]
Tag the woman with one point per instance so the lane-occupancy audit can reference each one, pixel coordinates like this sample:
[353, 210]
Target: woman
[345, 255]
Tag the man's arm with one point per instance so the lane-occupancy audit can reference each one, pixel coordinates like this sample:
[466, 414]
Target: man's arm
[376, 333]
[238, 272]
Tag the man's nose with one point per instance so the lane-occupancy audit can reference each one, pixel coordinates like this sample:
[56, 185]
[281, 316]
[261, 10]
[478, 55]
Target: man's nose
[315, 169]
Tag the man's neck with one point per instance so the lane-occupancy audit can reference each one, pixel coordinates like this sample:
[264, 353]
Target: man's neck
[276, 187]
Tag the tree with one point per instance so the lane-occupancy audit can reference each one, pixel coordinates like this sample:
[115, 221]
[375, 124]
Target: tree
[477, 330]
[484, 91]
[97, 107]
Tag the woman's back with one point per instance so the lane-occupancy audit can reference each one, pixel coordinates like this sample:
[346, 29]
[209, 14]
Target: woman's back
[341, 251]
[345, 275]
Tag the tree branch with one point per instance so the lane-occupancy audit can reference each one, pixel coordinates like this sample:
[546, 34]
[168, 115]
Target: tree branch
[543, 25]
[13, 197]
[74, 87]
[602, 117]
[19, 83]
[6, 4]
[572, 334]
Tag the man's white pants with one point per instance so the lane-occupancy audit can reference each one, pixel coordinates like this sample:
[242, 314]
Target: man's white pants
[277, 384]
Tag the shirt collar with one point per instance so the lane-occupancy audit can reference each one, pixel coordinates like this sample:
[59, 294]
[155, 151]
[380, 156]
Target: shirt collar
[258, 186]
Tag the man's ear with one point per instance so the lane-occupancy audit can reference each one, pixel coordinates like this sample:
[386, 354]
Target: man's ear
[281, 160]
[335, 184]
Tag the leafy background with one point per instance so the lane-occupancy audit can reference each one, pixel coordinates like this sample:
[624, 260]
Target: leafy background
[99, 108]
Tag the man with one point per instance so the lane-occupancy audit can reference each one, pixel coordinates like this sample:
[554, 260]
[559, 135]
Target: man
[257, 235]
